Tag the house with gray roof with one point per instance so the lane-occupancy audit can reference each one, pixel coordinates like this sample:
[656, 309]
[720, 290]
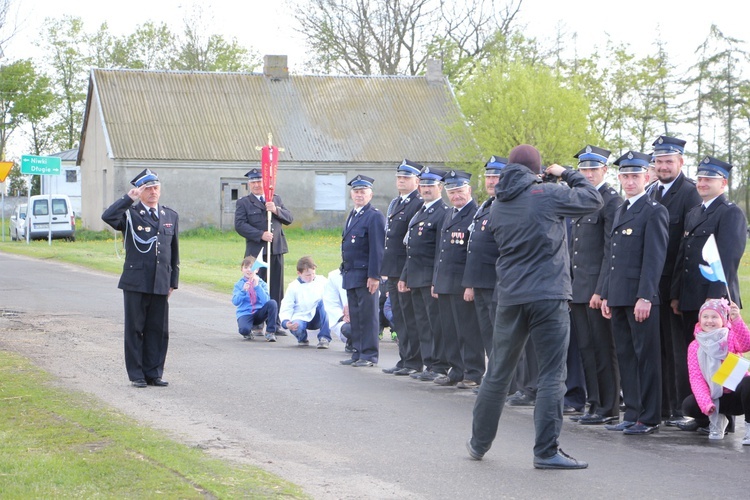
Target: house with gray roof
[201, 132]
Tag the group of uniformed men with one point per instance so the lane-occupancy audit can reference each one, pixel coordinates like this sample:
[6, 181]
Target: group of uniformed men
[634, 264]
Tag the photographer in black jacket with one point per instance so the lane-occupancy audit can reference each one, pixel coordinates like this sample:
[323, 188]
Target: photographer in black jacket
[533, 290]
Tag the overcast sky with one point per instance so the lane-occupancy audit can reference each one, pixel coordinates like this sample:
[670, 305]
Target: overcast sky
[267, 25]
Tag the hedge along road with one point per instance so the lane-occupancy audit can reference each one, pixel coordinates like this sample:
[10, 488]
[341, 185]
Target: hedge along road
[339, 432]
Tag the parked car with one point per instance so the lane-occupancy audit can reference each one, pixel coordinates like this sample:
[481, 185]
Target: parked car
[61, 217]
[18, 223]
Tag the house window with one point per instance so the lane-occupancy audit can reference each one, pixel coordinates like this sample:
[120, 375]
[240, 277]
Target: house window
[235, 194]
[329, 192]
[71, 176]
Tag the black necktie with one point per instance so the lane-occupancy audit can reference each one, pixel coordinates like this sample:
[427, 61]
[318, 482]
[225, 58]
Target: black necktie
[455, 213]
[152, 211]
[262, 199]
[659, 193]
[624, 207]
[703, 208]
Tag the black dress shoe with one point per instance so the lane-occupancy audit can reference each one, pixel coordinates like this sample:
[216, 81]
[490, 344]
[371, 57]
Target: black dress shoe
[391, 370]
[594, 419]
[140, 383]
[158, 382]
[640, 429]
[675, 420]
[445, 381]
[404, 372]
[348, 362]
[689, 425]
[474, 454]
[620, 427]
[559, 460]
[362, 363]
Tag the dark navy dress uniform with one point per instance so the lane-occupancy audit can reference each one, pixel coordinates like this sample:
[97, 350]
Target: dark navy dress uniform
[462, 345]
[421, 246]
[678, 200]
[638, 249]
[362, 256]
[251, 221]
[589, 257]
[150, 271]
[400, 212]
[728, 224]
[479, 272]
[481, 257]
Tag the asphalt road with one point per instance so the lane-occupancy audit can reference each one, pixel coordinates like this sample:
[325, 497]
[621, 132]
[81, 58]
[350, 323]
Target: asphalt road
[339, 432]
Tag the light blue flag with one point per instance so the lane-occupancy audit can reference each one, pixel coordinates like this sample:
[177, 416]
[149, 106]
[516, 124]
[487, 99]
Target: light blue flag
[259, 262]
[714, 271]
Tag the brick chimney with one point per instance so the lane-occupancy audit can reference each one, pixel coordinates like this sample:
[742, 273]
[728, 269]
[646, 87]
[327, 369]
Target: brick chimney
[275, 67]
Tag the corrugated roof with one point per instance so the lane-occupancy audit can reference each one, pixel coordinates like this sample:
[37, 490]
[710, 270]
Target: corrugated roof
[168, 115]
[67, 155]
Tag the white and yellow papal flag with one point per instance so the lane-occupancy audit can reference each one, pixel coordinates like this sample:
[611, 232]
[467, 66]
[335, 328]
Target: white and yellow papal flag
[732, 371]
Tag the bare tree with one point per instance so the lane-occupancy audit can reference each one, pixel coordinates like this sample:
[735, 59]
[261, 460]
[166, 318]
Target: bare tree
[391, 37]
[7, 31]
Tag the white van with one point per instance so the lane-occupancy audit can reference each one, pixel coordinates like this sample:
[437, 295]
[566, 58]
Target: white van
[60, 217]
[18, 223]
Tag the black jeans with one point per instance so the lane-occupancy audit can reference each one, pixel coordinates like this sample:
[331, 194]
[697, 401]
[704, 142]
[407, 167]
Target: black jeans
[546, 322]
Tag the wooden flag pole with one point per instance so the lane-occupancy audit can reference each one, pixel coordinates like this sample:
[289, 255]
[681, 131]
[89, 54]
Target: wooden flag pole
[269, 164]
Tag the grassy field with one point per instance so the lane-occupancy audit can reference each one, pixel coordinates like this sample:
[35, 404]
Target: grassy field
[208, 257]
[60, 444]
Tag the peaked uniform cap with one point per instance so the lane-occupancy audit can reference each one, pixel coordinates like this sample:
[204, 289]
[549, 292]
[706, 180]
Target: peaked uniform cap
[361, 182]
[666, 145]
[146, 178]
[408, 168]
[592, 157]
[456, 179]
[254, 175]
[494, 165]
[431, 175]
[713, 167]
[633, 162]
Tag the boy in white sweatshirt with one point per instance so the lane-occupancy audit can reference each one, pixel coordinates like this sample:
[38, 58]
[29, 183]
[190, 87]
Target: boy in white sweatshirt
[302, 305]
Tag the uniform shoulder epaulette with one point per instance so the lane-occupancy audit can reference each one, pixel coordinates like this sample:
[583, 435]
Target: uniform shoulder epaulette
[654, 203]
[612, 191]
[691, 181]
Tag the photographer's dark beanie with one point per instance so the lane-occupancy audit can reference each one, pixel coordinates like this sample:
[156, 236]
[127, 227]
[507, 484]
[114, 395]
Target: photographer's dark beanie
[528, 156]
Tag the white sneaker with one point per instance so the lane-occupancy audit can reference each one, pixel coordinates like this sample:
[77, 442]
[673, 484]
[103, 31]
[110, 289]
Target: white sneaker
[746, 439]
[716, 428]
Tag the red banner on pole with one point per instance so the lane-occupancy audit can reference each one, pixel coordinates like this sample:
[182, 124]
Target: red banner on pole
[269, 165]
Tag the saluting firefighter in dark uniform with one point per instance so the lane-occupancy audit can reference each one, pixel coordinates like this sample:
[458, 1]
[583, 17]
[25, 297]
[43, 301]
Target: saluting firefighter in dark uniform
[715, 216]
[589, 258]
[400, 211]
[150, 273]
[630, 296]
[462, 344]
[678, 195]
[362, 257]
[421, 242]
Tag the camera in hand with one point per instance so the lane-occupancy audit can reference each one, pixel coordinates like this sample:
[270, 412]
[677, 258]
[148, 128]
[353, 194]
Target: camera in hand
[552, 178]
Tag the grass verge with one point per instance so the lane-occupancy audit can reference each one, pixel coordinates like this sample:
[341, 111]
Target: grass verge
[60, 444]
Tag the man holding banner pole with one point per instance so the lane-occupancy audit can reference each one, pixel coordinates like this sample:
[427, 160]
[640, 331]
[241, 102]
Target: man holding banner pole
[259, 218]
[715, 234]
